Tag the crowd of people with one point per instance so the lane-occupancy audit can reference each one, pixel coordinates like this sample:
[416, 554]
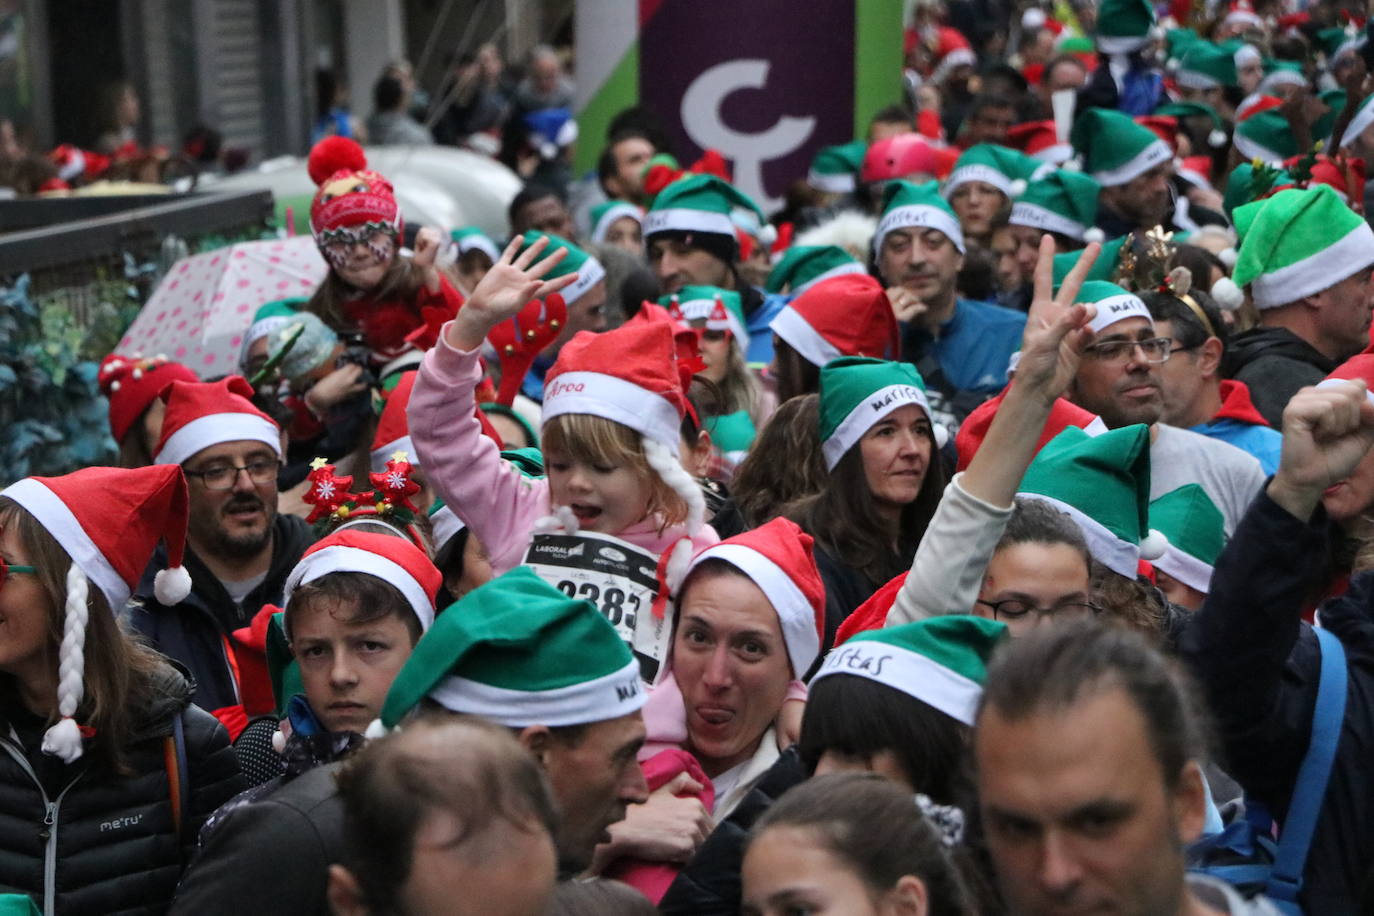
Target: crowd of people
[987, 531]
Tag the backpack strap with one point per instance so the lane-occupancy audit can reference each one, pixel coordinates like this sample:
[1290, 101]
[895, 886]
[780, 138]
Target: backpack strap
[179, 789]
[1295, 837]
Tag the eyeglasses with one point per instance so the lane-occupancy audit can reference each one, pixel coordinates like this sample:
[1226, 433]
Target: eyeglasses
[1156, 350]
[6, 570]
[1180, 348]
[224, 476]
[1015, 609]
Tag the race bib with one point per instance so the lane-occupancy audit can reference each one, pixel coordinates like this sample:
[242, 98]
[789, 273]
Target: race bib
[619, 578]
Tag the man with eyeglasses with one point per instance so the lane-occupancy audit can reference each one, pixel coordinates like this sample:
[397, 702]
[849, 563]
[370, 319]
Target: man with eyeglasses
[238, 549]
[1119, 379]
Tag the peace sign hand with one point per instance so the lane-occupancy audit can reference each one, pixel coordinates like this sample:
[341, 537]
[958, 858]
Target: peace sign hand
[511, 283]
[1056, 329]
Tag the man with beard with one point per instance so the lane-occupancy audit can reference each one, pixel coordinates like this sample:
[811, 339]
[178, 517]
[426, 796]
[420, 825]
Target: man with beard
[238, 549]
[1119, 380]
[1134, 168]
[961, 347]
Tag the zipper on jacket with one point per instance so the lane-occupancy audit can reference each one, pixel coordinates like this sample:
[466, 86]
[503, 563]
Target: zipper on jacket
[49, 834]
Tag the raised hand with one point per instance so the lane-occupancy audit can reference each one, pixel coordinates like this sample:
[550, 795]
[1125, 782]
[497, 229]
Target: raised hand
[508, 286]
[1327, 431]
[1056, 328]
[427, 243]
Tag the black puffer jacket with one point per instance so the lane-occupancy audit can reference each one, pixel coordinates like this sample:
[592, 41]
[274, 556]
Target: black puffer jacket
[79, 840]
[1274, 363]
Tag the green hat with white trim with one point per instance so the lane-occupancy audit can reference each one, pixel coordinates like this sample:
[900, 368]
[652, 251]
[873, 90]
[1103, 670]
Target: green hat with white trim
[857, 392]
[471, 238]
[1338, 41]
[803, 266]
[1196, 531]
[1115, 148]
[1280, 73]
[604, 215]
[1006, 169]
[941, 661]
[721, 309]
[519, 652]
[836, 168]
[1324, 125]
[588, 269]
[1102, 482]
[1123, 25]
[907, 205]
[1360, 122]
[1176, 42]
[267, 319]
[1243, 185]
[1113, 304]
[18, 905]
[1266, 136]
[698, 203]
[1216, 137]
[1297, 243]
[1207, 66]
[1103, 267]
[1064, 202]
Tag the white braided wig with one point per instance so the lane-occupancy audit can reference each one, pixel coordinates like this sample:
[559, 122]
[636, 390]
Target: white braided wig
[64, 738]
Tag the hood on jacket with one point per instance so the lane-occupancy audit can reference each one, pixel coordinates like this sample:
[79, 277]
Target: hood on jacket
[1255, 343]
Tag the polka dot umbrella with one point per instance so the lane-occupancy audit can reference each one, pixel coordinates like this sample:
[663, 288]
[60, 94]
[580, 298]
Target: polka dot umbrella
[200, 311]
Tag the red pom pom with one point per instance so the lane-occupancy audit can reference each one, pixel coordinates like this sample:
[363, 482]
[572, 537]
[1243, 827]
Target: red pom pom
[333, 154]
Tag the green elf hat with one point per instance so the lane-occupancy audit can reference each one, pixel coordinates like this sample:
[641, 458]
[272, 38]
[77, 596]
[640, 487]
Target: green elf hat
[1359, 123]
[1102, 268]
[1006, 169]
[906, 205]
[1281, 73]
[1266, 136]
[721, 309]
[1297, 243]
[1123, 25]
[941, 661]
[1217, 136]
[1113, 304]
[1322, 127]
[836, 168]
[1115, 148]
[697, 204]
[1176, 42]
[803, 266]
[1206, 66]
[519, 652]
[1063, 202]
[856, 393]
[1102, 482]
[604, 216]
[1196, 532]
[266, 319]
[1338, 41]
[471, 238]
[588, 269]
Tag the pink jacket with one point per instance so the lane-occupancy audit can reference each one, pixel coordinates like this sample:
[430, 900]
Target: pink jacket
[497, 502]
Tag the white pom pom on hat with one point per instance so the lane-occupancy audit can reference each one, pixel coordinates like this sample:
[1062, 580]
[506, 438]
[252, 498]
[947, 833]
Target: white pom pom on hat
[1217, 138]
[1227, 294]
[1018, 187]
[1094, 234]
[1153, 546]
[1228, 256]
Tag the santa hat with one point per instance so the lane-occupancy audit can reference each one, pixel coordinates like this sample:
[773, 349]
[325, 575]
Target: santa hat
[202, 414]
[267, 319]
[1345, 177]
[1123, 25]
[941, 661]
[1196, 170]
[349, 194]
[1195, 530]
[73, 162]
[720, 309]
[1243, 14]
[1040, 140]
[1338, 41]
[856, 393]
[836, 168]
[1102, 482]
[1297, 243]
[907, 205]
[472, 238]
[588, 269]
[519, 652]
[393, 560]
[902, 156]
[1207, 66]
[848, 315]
[778, 557]
[393, 432]
[1062, 202]
[1005, 169]
[109, 521]
[132, 383]
[605, 215]
[1063, 414]
[1266, 136]
[1113, 304]
[1360, 366]
[1116, 149]
[951, 50]
[803, 266]
[699, 205]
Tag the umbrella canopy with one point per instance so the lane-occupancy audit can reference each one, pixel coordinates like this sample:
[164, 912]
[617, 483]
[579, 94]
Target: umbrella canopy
[199, 312]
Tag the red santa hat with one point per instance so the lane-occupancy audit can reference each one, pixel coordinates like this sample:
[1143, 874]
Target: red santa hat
[350, 195]
[951, 50]
[203, 414]
[779, 558]
[848, 315]
[109, 521]
[395, 561]
[393, 431]
[1360, 366]
[1040, 140]
[1063, 414]
[132, 383]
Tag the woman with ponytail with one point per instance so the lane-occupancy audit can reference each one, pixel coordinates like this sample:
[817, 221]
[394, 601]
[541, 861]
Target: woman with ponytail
[106, 769]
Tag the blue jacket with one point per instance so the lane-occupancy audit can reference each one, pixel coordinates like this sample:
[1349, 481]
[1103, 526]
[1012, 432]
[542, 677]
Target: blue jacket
[967, 363]
[1264, 442]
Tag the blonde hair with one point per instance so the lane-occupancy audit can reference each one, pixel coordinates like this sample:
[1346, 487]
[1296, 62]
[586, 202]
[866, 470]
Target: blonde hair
[596, 440]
